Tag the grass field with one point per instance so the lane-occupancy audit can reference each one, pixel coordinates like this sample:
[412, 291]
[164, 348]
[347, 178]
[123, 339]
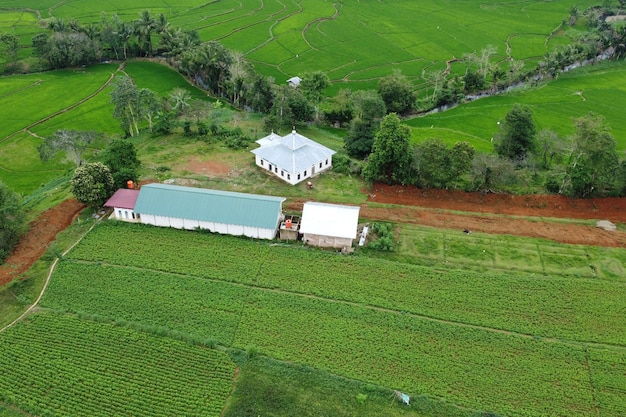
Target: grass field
[600, 89]
[422, 329]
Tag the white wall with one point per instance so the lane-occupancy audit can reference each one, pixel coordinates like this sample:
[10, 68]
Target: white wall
[124, 214]
[226, 229]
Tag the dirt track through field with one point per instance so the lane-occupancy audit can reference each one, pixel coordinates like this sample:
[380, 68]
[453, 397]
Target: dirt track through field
[530, 216]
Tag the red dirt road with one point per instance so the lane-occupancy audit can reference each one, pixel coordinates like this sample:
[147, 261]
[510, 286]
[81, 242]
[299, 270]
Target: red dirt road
[426, 207]
[41, 233]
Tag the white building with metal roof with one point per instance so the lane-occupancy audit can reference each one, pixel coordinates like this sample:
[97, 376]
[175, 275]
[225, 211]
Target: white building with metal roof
[225, 212]
[293, 157]
[329, 225]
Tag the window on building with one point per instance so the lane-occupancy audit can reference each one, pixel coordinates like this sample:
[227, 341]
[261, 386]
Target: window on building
[320, 164]
[262, 162]
[119, 213]
[276, 170]
[305, 173]
[288, 176]
[327, 162]
[282, 173]
[298, 176]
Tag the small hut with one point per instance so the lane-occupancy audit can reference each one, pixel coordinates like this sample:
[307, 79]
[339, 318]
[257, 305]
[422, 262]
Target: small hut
[329, 225]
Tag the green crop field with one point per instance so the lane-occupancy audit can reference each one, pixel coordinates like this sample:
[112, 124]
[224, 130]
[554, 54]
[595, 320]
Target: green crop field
[521, 344]
[344, 39]
[62, 365]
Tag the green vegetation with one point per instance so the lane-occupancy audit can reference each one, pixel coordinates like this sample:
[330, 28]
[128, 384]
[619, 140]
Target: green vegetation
[55, 364]
[599, 89]
[431, 326]
[462, 323]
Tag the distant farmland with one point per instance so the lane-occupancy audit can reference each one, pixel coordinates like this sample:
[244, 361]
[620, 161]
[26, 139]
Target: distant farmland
[352, 43]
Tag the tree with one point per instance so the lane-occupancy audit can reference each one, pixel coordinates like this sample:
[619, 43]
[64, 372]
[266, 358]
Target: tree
[490, 172]
[290, 106]
[180, 100]
[461, 158]
[259, 94]
[125, 97]
[149, 105]
[391, 157]
[340, 109]
[550, 147]
[63, 49]
[438, 166]
[516, 137]
[432, 160]
[143, 28]
[73, 142]
[12, 220]
[11, 43]
[360, 137]
[397, 93]
[92, 184]
[238, 73]
[121, 159]
[312, 86]
[594, 165]
[368, 105]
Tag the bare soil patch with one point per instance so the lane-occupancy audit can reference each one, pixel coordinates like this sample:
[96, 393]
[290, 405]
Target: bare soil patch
[208, 168]
[42, 232]
[534, 205]
[426, 207]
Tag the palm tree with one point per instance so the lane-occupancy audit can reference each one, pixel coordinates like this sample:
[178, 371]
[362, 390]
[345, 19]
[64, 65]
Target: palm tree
[143, 29]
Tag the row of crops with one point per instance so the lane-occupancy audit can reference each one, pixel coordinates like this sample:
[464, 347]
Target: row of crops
[538, 305]
[61, 365]
[470, 366]
[398, 325]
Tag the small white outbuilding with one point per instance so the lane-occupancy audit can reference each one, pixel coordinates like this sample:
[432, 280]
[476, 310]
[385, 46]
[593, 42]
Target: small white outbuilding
[123, 204]
[329, 225]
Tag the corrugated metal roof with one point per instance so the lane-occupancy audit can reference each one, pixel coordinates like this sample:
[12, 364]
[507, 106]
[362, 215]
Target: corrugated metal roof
[293, 152]
[209, 205]
[123, 198]
[330, 219]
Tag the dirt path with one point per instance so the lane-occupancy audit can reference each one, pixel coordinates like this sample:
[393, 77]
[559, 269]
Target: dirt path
[491, 213]
[42, 232]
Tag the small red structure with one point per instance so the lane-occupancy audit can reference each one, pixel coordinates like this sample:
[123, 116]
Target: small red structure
[130, 184]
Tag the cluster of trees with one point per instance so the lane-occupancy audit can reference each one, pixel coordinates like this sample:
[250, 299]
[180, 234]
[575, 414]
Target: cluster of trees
[587, 164]
[430, 164]
[93, 183]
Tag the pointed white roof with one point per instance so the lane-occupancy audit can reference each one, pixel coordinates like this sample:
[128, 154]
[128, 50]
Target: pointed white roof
[268, 139]
[292, 152]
